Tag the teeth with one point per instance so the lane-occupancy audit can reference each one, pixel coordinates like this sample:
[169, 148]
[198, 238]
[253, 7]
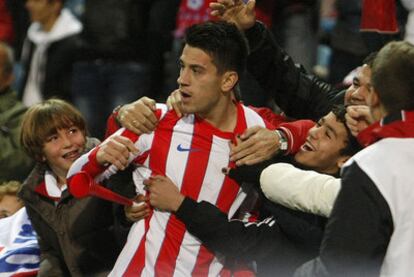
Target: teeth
[70, 155]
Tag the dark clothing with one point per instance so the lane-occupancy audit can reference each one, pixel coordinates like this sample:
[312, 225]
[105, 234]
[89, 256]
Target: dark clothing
[114, 30]
[266, 243]
[297, 93]
[373, 206]
[281, 240]
[353, 245]
[60, 56]
[15, 164]
[76, 236]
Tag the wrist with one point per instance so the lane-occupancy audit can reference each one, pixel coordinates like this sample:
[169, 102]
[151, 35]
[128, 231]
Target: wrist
[283, 141]
[115, 113]
[178, 202]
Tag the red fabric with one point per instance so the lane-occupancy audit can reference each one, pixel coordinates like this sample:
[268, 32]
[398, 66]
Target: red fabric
[264, 11]
[6, 24]
[41, 189]
[111, 125]
[191, 12]
[296, 132]
[403, 128]
[379, 16]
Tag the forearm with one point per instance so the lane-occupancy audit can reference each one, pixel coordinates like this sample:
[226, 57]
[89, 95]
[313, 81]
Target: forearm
[297, 93]
[230, 238]
[297, 189]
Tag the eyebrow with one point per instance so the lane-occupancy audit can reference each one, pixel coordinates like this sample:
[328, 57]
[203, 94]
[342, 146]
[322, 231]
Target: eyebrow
[192, 66]
[323, 122]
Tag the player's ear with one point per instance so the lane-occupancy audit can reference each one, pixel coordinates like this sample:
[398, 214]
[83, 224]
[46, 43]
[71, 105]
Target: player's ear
[229, 80]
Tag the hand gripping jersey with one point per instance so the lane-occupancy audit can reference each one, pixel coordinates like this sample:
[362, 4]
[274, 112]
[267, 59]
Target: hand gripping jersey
[192, 153]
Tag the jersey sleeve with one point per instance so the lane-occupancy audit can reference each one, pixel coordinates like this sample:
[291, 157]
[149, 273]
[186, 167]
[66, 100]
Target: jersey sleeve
[296, 133]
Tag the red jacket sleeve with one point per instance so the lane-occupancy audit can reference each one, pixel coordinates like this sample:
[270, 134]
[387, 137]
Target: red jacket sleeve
[111, 125]
[296, 133]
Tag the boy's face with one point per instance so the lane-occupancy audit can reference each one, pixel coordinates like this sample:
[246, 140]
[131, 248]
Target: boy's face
[321, 151]
[200, 84]
[9, 205]
[62, 148]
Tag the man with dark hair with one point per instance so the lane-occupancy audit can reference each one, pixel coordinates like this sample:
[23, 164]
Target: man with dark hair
[370, 227]
[191, 150]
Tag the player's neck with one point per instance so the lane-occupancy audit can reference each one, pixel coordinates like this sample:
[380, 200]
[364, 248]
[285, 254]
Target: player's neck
[223, 116]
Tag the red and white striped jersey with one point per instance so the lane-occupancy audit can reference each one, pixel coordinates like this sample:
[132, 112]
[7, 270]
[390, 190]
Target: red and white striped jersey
[192, 153]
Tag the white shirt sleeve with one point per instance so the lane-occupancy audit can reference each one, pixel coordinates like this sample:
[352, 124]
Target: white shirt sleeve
[298, 189]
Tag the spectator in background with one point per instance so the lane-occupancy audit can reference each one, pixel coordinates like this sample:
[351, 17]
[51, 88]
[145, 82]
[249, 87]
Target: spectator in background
[112, 66]
[295, 26]
[10, 203]
[49, 51]
[15, 164]
[19, 23]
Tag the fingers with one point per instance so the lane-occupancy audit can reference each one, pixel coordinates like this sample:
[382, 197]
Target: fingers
[242, 150]
[358, 118]
[139, 210]
[250, 7]
[174, 102]
[139, 116]
[250, 132]
[258, 144]
[115, 150]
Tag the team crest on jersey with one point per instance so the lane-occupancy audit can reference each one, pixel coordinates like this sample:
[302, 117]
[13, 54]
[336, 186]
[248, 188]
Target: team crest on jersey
[195, 4]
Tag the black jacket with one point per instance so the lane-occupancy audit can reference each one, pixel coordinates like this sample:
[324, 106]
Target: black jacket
[297, 93]
[58, 68]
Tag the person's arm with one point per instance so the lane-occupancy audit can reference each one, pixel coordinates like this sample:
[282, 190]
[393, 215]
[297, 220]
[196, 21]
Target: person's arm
[211, 225]
[298, 189]
[139, 116]
[114, 154]
[297, 93]
[258, 144]
[358, 231]
[248, 242]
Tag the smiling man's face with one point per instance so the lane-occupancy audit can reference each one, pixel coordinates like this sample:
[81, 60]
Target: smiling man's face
[358, 92]
[322, 149]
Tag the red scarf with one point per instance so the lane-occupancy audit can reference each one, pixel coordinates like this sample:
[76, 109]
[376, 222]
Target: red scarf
[398, 125]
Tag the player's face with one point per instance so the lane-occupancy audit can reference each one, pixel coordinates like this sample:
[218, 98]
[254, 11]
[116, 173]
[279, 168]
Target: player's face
[199, 82]
[322, 149]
